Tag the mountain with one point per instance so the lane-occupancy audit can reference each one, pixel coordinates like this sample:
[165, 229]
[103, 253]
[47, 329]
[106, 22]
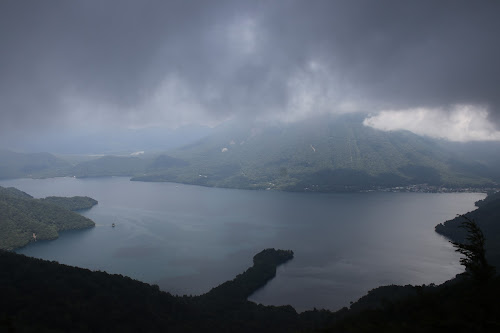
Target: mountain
[480, 158]
[328, 153]
[35, 165]
[109, 166]
[108, 141]
[126, 165]
[14, 192]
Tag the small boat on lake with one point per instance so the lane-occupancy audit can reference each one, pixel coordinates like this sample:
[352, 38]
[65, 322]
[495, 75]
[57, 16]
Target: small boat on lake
[113, 225]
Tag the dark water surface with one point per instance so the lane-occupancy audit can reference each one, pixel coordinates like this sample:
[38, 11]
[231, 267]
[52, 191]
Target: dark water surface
[188, 239]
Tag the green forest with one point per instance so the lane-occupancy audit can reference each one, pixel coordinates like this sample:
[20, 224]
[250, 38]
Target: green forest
[24, 219]
[73, 203]
[487, 217]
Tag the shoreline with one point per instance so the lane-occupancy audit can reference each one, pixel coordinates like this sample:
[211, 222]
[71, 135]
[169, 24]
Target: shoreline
[414, 188]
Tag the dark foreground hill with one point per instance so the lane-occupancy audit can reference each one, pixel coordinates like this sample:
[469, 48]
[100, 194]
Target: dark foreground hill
[39, 295]
[42, 296]
[459, 306]
[487, 216]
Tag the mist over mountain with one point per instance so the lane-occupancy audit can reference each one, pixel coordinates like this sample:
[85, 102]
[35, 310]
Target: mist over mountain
[110, 140]
[424, 66]
[18, 165]
[76, 82]
[325, 153]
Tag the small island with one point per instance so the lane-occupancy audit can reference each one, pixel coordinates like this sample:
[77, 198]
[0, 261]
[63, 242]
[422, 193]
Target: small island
[24, 219]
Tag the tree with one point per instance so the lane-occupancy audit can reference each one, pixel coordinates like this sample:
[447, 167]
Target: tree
[474, 252]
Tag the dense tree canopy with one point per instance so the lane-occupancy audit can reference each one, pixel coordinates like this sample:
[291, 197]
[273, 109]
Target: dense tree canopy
[474, 252]
[24, 219]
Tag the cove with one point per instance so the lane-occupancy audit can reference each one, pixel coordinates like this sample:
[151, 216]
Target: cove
[189, 239]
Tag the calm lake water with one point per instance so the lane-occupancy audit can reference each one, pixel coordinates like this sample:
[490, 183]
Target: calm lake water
[189, 239]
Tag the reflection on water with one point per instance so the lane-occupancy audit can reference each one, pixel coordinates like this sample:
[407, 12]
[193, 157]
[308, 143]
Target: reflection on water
[188, 239]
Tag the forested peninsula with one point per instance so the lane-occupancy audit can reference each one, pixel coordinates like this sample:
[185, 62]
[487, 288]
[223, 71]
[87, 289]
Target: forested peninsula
[487, 217]
[24, 219]
[39, 295]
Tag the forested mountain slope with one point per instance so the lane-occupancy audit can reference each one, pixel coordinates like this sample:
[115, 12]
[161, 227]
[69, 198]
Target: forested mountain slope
[36, 165]
[22, 217]
[39, 295]
[327, 153]
[487, 216]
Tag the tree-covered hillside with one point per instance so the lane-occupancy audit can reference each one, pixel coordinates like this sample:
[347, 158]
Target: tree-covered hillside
[322, 154]
[109, 166]
[487, 216]
[73, 203]
[39, 295]
[22, 217]
[327, 153]
[38, 165]
[14, 192]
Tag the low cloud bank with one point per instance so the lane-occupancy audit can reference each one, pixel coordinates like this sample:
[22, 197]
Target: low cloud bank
[458, 123]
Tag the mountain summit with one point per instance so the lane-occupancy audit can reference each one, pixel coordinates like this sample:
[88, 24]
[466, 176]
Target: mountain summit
[327, 153]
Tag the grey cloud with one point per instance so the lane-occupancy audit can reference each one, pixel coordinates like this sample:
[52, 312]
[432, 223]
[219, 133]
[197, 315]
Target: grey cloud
[239, 57]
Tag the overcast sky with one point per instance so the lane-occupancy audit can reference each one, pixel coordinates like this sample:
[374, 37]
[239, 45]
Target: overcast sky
[432, 67]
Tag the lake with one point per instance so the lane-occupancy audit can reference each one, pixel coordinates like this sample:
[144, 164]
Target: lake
[189, 239]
